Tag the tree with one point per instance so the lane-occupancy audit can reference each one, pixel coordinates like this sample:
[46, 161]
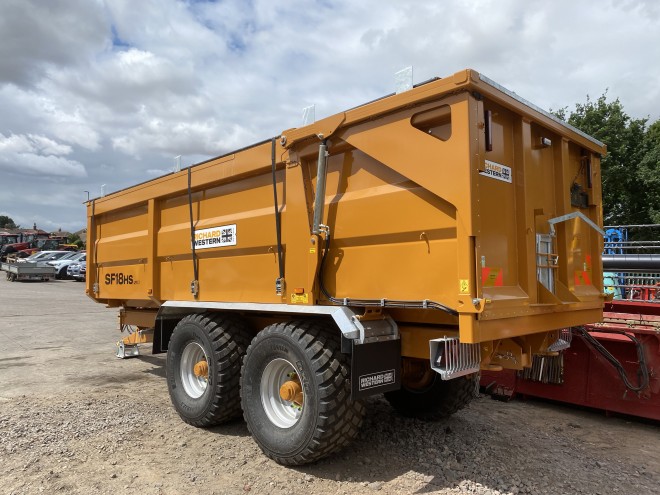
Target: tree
[649, 172]
[75, 239]
[7, 223]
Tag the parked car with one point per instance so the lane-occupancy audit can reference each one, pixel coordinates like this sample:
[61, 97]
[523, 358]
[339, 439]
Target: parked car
[72, 269]
[36, 256]
[77, 271]
[62, 264]
[43, 257]
[82, 272]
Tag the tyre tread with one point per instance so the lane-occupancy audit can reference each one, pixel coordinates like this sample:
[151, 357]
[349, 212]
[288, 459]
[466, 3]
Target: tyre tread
[229, 338]
[339, 418]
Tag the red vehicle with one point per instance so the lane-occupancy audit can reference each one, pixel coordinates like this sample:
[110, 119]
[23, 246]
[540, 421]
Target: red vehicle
[30, 244]
[7, 238]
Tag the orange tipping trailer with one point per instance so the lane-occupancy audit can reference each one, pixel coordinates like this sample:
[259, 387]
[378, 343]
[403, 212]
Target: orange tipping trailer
[397, 247]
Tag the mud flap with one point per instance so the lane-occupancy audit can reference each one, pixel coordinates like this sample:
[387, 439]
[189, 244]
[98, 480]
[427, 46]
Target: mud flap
[375, 368]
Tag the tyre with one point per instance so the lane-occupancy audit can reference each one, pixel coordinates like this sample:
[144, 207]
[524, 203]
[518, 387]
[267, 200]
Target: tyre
[296, 394]
[426, 396]
[203, 368]
[61, 273]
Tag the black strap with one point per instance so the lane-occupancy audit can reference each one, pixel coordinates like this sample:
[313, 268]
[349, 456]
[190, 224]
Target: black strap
[95, 243]
[192, 233]
[278, 222]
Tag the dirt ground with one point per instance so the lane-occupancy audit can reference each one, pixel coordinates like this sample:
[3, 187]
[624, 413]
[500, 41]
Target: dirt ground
[75, 419]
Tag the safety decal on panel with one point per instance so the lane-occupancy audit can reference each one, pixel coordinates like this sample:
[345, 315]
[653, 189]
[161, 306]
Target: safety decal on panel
[497, 171]
[215, 237]
[300, 298]
[583, 277]
[492, 276]
[464, 286]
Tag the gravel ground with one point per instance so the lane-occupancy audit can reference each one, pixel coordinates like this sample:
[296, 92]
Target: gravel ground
[74, 419]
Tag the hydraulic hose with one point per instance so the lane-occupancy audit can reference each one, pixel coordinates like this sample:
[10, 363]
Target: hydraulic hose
[642, 372]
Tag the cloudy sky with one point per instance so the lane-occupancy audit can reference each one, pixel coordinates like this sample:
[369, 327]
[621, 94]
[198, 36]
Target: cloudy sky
[97, 92]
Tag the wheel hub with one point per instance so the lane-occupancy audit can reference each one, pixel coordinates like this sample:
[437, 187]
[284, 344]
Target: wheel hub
[201, 369]
[194, 371]
[281, 393]
[292, 391]
[416, 374]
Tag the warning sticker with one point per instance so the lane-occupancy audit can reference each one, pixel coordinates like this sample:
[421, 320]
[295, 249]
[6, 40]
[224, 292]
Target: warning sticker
[377, 379]
[215, 237]
[583, 277]
[497, 171]
[492, 277]
[464, 286]
[300, 298]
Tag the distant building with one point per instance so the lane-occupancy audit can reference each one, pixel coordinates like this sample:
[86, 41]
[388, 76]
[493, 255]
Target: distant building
[31, 232]
[60, 233]
[83, 235]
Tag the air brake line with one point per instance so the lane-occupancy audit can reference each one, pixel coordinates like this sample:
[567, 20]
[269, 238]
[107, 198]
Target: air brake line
[194, 285]
[279, 283]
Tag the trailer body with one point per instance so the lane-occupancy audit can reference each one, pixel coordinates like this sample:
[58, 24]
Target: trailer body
[453, 226]
[28, 271]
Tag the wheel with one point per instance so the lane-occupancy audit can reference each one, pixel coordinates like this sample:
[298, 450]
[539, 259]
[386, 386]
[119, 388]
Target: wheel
[426, 396]
[61, 274]
[296, 394]
[203, 367]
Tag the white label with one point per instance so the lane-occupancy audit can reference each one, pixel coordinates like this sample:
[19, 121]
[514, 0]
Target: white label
[497, 171]
[215, 237]
[376, 379]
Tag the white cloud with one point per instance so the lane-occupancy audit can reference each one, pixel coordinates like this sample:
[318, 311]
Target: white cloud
[31, 154]
[38, 36]
[123, 86]
[32, 144]
[15, 144]
[167, 27]
[46, 146]
[31, 164]
[48, 111]
[182, 138]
